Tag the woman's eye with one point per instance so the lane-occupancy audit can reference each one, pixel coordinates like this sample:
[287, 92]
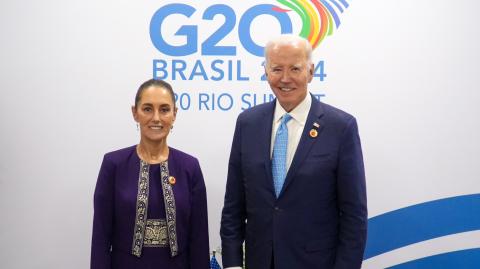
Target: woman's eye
[147, 109]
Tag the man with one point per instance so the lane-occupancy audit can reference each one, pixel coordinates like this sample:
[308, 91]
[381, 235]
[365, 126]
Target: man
[296, 183]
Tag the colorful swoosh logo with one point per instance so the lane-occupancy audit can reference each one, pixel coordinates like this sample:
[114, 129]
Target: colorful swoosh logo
[319, 17]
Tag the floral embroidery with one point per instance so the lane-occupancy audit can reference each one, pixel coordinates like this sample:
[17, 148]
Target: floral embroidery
[170, 208]
[141, 209]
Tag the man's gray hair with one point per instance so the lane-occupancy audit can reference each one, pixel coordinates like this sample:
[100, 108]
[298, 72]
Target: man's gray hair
[288, 39]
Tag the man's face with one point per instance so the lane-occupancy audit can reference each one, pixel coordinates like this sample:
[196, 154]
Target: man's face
[288, 73]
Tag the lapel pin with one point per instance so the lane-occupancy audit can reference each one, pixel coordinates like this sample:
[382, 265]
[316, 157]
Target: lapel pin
[172, 180]
[313, 133]
[316, 125]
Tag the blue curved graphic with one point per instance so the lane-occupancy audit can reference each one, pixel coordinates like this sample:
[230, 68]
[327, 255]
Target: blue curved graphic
[462, 259]
[339, 7]
[422, 222]
[344, 3]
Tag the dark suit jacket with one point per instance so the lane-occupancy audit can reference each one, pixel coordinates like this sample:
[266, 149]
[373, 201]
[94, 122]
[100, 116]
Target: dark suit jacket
[115, 209]
[320, 217]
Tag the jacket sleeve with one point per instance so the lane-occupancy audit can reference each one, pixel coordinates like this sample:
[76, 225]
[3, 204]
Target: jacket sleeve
[352, 200]
[103, 217]
[198, 228]
[232, 231]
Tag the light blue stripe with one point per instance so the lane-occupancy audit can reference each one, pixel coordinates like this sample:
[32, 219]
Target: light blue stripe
[422, 222]
[345, 4]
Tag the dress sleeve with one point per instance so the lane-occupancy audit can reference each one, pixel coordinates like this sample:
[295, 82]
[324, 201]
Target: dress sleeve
[198, 235]
[103, 217]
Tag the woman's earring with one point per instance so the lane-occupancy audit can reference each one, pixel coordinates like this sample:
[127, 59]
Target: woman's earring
[137, 126]
[171, 128]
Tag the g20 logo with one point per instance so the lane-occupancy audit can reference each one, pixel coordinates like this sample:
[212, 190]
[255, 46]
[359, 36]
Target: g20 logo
[319, 18]
[210, 46]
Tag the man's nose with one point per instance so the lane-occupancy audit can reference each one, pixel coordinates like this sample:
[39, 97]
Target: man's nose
[285, 76]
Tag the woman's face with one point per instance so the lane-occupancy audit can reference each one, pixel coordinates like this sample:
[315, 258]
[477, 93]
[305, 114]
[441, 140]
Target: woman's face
[155, 113]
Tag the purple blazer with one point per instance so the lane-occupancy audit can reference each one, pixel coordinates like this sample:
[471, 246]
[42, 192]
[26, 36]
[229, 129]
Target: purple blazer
[115, 203]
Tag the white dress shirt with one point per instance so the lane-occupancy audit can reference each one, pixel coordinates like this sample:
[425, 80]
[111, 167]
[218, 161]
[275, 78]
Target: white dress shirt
[295, 128]
[295, 125]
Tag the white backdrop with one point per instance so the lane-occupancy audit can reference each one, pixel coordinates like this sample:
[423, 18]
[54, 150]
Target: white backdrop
[407, 69]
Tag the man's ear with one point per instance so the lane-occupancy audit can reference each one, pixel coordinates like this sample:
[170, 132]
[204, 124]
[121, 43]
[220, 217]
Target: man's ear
[310, 72]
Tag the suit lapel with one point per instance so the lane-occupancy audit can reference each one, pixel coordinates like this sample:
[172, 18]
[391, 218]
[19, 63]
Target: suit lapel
[306, 141]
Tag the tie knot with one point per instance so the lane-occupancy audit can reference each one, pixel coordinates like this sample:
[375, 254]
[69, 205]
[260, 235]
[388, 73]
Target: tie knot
[285, 118]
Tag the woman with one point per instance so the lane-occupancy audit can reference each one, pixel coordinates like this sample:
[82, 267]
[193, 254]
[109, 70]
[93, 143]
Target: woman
[150, 199]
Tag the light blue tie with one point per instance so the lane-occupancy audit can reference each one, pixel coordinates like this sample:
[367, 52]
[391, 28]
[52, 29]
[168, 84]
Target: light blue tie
[279, 156]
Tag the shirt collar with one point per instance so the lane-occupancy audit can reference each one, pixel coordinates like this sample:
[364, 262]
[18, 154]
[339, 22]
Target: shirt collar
[299, 113]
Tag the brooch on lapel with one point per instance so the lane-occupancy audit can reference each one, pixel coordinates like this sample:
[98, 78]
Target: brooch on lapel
[313, 132]
[172, 180]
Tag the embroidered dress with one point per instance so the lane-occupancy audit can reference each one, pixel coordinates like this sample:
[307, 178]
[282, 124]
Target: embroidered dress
[148, 231]
[172, 238]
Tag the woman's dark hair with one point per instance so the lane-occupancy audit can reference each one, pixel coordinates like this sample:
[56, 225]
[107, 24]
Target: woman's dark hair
[156, 83]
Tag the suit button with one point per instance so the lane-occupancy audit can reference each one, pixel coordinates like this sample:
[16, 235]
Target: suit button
[277, 208]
